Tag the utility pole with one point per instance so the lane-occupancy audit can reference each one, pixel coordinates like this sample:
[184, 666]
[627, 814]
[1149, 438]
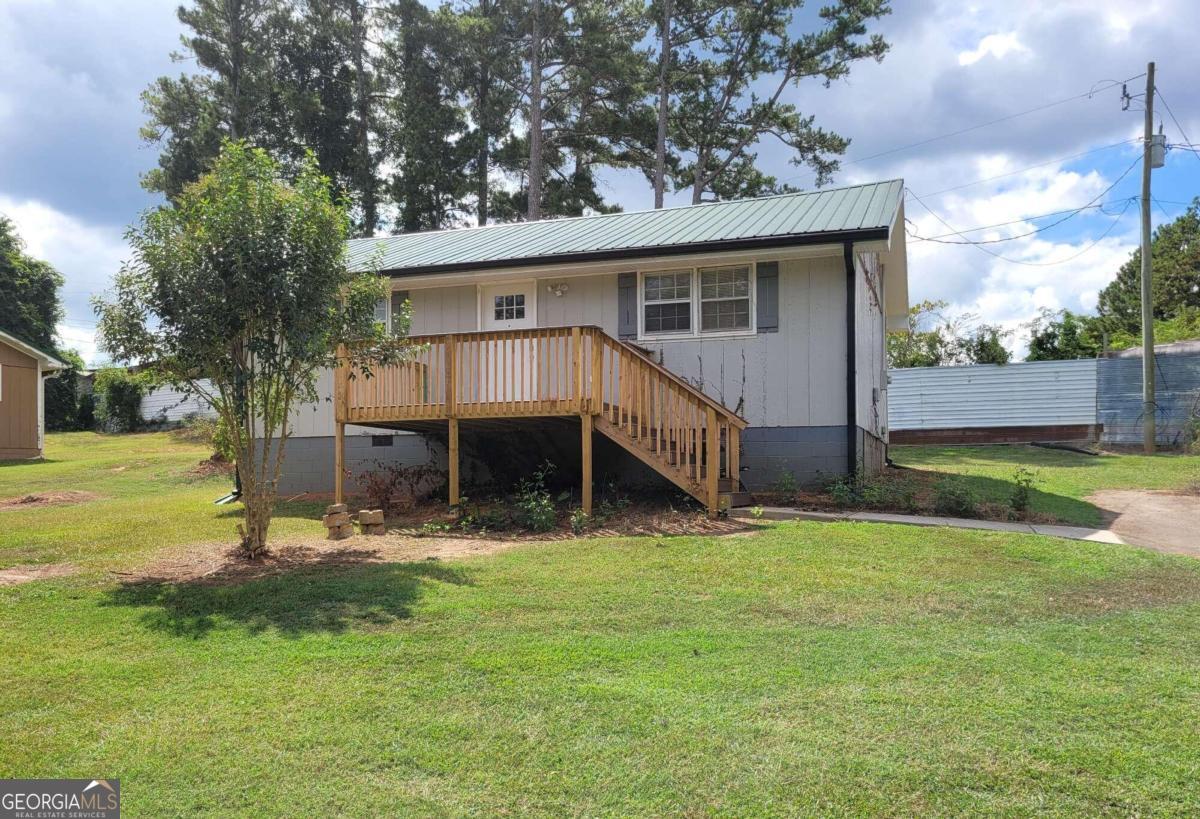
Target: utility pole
[1148, 402]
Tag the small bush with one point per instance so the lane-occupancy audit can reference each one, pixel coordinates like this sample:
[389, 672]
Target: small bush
[119, 399]
[786, 486]
[214, 432]
[535, 507]
[579, 521]
[888, 491]
[1024, 480]
[483, 520]
[953, 496]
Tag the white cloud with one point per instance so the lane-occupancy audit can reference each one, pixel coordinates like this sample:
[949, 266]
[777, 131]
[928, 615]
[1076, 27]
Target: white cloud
[993, 45]
[87, 255]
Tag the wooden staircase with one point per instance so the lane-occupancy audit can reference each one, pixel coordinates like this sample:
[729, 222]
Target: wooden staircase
[612, 387]
[672, 427]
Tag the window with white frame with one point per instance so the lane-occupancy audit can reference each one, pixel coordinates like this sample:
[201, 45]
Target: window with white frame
[698, 301]
[509, 307]
[724, 299]
[667, 302]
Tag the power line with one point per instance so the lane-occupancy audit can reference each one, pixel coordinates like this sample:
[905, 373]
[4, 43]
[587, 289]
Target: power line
[1086, 95]
[1002, 258]
[1069, 215]
[1173, 119]
[1032, 167]
[1099, 206]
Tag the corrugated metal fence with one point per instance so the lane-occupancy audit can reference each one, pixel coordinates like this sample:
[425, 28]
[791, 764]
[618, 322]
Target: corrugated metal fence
[1036, 393]
[1106, 391]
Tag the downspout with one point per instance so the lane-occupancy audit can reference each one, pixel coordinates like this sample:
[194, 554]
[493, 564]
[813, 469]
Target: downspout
[851, 362]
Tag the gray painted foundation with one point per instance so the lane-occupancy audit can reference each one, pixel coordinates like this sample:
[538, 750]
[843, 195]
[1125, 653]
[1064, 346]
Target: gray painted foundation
[810, 454]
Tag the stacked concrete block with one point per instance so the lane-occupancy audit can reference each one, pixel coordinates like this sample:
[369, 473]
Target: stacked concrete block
[337, 522]
[370, 521]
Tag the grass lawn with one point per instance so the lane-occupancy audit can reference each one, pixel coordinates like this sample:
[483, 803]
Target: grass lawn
[803, 669]
[1065, 479]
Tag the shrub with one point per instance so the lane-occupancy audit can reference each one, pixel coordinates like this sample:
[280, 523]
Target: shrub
[953, 496]
[887, 491]
[786, 486]
[579, 521]
[214, 432]
[844, 490]
[1024, 479]
[392, 486]
[119, 399]
[535, 507]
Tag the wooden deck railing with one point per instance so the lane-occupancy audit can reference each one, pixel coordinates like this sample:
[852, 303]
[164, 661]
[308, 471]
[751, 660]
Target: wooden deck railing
[555, 371]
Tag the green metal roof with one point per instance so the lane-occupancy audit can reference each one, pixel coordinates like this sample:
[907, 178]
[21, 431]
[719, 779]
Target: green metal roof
[860, 212]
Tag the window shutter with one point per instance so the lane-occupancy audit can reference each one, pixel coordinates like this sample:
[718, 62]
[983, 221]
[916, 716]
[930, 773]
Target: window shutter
[627, 305]
[398, 299]
[768, 297]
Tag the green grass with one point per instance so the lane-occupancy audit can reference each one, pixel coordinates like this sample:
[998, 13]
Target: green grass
[804, 669]
[1064, 479]
[147, 501]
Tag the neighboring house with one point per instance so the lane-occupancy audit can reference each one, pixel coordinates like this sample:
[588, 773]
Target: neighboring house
[722, 345]
[23, 370]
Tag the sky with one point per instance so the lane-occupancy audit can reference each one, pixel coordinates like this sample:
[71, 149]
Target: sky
[995, 91]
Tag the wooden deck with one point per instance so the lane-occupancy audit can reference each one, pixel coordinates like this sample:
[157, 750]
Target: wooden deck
[551, 372]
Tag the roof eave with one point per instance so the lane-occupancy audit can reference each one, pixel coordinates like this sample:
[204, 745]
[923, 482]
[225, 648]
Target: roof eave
[721, 246]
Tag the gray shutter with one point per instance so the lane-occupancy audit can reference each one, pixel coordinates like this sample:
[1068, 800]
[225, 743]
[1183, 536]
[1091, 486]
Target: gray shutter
[627, 305]
[768, 297]
[398, 299]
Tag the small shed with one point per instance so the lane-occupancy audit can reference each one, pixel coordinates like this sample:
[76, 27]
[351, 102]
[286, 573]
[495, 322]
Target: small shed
[23, 370]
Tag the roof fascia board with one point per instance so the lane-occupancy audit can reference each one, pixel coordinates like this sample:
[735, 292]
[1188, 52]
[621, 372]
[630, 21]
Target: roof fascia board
[50, 362]
[566, 270]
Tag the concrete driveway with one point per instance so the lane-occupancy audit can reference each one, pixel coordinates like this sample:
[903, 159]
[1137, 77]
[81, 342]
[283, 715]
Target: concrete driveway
[1164, 521]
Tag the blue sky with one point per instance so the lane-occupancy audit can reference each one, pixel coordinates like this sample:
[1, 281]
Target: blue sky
[70, 155]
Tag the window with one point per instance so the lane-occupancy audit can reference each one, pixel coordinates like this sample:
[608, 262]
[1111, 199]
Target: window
[719, 299]
[509, 308]
[724, 299]
[381, 311]
[668, 302]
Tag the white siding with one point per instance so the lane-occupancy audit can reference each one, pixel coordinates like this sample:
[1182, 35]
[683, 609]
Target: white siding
[171, 405]
[586, 300]
[1034, 393]
[869, 349]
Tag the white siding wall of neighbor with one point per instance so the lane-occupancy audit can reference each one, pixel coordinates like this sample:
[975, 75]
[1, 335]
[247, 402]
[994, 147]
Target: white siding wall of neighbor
[166, 404]
[1032, 393]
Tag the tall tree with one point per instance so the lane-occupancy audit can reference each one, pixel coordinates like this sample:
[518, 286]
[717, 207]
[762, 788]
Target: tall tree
[29, 305]
[231, 42]
[239, 294]
[720, 115]
[1063, 336]
[487, 73]
[425, 123]
[1175, 262]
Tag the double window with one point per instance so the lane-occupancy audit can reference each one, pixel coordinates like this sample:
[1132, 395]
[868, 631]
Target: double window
[713, 299]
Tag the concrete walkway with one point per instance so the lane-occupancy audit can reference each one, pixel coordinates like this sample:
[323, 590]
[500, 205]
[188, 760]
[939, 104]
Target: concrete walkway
[1070, 532]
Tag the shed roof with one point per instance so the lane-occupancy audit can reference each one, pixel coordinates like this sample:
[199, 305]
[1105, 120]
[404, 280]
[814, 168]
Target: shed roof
[49, 362]
[859, 212]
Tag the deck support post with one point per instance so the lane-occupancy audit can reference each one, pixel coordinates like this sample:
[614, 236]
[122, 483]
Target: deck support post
[453, 463]
[339, 461]
[733, 440]
[712, 462]
[585, 422]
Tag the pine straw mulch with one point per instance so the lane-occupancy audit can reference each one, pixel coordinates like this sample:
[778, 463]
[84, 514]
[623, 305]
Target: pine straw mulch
[220, 563]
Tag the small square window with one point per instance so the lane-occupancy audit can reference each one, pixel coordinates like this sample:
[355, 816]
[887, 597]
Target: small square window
[509, 308]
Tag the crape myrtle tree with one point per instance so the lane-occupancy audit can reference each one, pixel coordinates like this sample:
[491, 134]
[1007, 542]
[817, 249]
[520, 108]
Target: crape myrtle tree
[240, 294]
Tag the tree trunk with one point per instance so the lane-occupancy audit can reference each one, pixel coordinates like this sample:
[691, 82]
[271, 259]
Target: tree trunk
[258, 505]
[483, 157]
[364, 171]
[535, 113]
[664, 73]
[237, 51]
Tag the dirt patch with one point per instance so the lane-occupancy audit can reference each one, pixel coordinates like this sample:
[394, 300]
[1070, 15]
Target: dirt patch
[210, 467]
[220, 564]
[1163, 521]
[38, 499]
[23, 574]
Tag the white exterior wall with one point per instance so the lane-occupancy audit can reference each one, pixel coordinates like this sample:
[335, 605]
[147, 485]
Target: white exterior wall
[869, 346]
[1034, 393]
[789, 378]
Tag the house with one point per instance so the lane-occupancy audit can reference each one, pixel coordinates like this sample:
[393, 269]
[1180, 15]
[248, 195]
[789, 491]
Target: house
[23, 370]
[720, 345]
